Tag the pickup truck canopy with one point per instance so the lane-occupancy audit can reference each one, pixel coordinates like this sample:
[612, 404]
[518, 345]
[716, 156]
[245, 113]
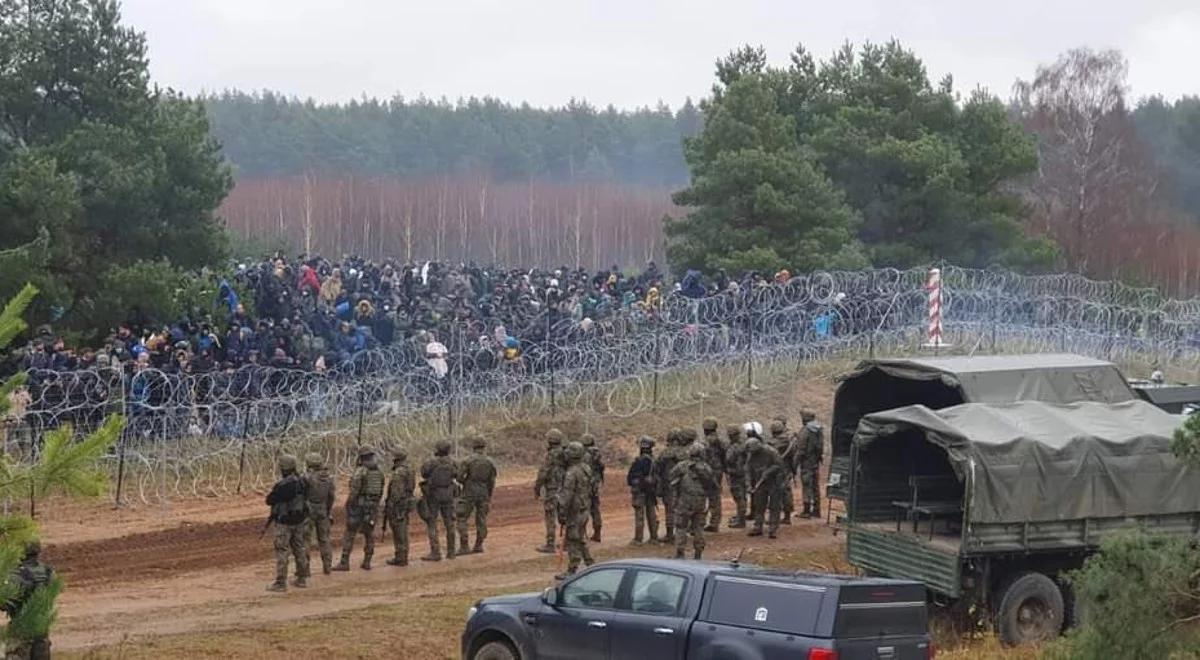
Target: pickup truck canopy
[1036, 461]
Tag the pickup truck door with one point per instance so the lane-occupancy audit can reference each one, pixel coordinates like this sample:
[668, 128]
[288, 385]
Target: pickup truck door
[650, 623]
[579, 627]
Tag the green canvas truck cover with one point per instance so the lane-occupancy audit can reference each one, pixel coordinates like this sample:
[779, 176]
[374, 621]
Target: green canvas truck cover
[1034, 461]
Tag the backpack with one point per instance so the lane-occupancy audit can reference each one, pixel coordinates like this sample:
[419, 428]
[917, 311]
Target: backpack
[480, 470]
[442, 474]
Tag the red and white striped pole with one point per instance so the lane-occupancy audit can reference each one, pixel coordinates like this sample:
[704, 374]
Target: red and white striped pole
[934, 288]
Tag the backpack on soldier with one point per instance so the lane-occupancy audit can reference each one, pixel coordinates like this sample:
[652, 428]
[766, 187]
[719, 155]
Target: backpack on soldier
[442, 474]
[372, 485]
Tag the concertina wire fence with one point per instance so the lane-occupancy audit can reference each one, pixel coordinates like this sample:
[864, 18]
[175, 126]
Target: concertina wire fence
[218, 433]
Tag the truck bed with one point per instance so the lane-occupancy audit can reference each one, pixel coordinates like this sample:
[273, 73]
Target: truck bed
[880, 550]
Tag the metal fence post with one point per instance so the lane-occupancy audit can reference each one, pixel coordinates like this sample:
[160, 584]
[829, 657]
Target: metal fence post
[657, 360]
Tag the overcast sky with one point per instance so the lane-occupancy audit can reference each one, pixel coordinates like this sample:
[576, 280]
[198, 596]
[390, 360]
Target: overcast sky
[630, 52]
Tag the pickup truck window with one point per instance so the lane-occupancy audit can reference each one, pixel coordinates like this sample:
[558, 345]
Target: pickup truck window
[657, 593]
[778, 606]
[596, 590]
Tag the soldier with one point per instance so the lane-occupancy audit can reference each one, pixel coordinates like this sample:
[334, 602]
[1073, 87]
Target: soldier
[642, 490]
[714, 455]
[477, 474]
[812, 448]
[437, 489]
[574, 501]
[596, 463]
[735, 468]
[691, 481]
[322, 491]
[764, 472]
[549, 480]
[787, 446]
[362, 507]
[289, 512]
[30, 575]
[667, 460]
[397, 505]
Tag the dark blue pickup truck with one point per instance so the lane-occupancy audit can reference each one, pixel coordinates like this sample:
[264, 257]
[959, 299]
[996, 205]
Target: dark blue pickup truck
[677, 610]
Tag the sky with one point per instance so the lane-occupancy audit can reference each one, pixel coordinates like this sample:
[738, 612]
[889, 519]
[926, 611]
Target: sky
[630, 53]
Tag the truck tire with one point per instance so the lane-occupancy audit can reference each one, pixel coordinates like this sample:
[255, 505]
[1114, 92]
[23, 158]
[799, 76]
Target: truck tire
[498, 650]
[1073, 613]
[1030, 610]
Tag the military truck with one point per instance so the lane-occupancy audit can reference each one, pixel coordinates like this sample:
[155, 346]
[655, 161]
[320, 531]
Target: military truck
[989, 504]
[941, 382]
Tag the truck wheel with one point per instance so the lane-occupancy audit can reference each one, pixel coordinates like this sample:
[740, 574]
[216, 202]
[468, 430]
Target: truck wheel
[499, 650]
[1030, 610]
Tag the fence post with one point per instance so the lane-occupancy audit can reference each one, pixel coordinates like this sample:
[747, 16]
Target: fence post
[120, 467]
[657, 360]
[242, 453]
[550, 358]
[750, 345]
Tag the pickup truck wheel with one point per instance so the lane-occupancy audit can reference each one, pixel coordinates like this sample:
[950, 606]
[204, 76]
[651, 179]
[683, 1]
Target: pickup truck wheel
[498, 650]
[1030, 610]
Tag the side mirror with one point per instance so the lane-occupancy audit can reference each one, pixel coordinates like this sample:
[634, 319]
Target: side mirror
[550, 597]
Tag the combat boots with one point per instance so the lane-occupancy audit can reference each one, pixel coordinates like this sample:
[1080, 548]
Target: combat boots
[432, 557]
[397, 561]
[327, 567]
[737, 523]
[277, 587]
[787, 520]
[711, 529]
[757, 531]
[696, 554]
[596, 535]
[300, 583]
[547, 549]
[343, 565]
[478, 549]
[679, 554]
[808, 512]
[366, 564]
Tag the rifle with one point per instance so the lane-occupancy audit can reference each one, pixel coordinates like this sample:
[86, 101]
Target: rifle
[270, 519]
[383, 528]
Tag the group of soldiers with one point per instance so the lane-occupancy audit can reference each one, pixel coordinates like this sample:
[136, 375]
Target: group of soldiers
[568, 485]
[687, 475]
[450, 491]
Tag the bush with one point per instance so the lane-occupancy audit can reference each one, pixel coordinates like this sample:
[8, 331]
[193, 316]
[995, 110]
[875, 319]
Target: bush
[1139, 597]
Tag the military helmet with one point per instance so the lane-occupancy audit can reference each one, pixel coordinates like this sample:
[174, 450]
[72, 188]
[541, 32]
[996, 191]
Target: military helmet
[753, 444]
[364, 452]
[587, 440]
[442, 448]
[287, 463]
[733, 431]
[710, 425]
[554, 437]
[477, 442]
[33, 548]
[688, 435]
[696, 451]
[575, 451]
[313, 460]
[777, 426]
[645, 442]
[399, 455]
[674, 436]
[807, 416]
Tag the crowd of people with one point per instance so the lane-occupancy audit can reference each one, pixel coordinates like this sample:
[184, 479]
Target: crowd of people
[687, 477]
[314, 314]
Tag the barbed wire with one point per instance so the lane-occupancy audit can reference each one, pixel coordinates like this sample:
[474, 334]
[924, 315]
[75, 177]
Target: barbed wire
[218, 433]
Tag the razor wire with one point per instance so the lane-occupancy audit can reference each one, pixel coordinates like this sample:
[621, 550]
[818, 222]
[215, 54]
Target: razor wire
[218, 433]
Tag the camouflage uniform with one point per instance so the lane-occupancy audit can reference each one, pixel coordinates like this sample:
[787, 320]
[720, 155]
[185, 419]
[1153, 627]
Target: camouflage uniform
[362, 508]
[397, 505]
[29, 576]
[691, 481]
[788, 447]
[812, 449]
[322, 491]
[477, 474]
[596, 463]
[437, 489]
[735, 468]
[764, 472]
[640, 480]
[667, 459]
[574, 500]
[289, 512]
[549, 480]
[714, 455]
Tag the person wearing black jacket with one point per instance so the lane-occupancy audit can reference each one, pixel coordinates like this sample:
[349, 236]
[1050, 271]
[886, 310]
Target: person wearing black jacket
[289, 511]
[642, 489]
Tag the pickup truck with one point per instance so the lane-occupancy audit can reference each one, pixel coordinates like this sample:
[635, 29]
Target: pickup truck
[661, 609]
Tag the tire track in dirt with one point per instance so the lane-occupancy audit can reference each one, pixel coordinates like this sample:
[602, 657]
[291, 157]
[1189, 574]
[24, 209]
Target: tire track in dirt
[195, 547]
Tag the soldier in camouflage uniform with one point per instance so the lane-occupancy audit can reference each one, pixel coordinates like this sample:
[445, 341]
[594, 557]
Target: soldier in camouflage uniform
[596, 463]
[667, 459]
[714, 454]
[397, 505]
[30, 575]
[574, 501]
[437, 489]
[788, 447]
[642, 491]
[691, 481]
[812, 449]
[322, 492]
[362, 508]
[289, 512]
[549, 480]
[735, 468]
[764, 472]
[477, 475]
